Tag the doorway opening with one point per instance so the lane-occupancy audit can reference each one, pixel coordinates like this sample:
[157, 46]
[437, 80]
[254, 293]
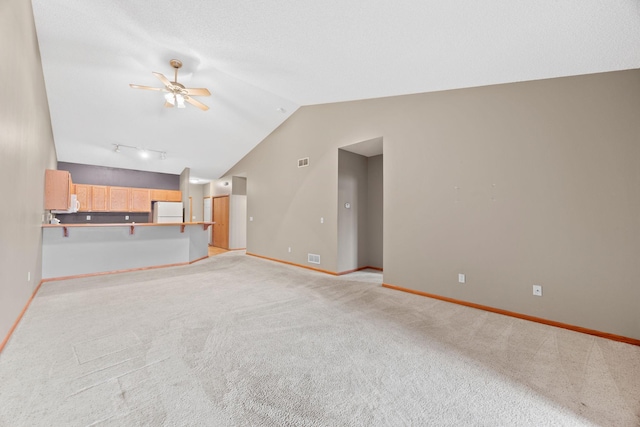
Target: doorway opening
[360, 206]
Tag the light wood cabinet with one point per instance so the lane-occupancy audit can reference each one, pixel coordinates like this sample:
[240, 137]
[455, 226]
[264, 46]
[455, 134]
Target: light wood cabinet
[99, 198]
[57, 190]
[159, 195]
[174, 196]
[140, 200]
[83, 193]
[166, 195]
[119, 199]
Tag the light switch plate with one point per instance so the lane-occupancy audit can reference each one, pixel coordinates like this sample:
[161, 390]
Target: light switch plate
[462, 278]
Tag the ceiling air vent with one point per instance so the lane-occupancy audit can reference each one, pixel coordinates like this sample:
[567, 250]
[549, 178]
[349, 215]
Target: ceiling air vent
[303, 162]
[313, 258]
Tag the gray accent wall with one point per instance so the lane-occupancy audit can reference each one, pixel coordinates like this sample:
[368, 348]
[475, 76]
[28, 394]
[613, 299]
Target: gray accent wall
[514, 185]
[104, 217]
[26, 150]
[101, 175]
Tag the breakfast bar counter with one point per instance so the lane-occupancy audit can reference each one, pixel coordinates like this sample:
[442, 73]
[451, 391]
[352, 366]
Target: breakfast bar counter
[82, 249]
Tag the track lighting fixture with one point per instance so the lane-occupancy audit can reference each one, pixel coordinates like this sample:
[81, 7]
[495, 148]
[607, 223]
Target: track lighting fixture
[144, 152]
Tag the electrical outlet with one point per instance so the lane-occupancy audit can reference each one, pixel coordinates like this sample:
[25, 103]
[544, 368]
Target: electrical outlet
[537, 290]
[126, 217]
[321, 220]
[88, 217]
[289, 249]
[462, 278]
[250, 218]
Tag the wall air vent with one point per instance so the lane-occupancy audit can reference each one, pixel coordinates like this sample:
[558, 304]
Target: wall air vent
[313, 258]
[303, 162]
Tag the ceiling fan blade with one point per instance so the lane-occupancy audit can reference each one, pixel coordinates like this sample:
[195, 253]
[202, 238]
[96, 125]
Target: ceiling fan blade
[162, 78]
[147, 87]
[168, 105]
[198, 104]
[197, 91]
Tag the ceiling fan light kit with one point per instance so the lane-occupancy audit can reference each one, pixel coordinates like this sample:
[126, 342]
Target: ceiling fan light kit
[175, 93]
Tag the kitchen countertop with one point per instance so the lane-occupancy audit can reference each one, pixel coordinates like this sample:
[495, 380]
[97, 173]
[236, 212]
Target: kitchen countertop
[129, 224]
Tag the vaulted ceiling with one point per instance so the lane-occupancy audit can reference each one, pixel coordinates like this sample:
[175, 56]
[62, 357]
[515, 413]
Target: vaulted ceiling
[263, 60]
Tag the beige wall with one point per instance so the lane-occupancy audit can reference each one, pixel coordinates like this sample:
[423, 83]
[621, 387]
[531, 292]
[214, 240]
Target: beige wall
[196, 192]
[375, 207]
[513, 185]
[184, 188]
[26, 150]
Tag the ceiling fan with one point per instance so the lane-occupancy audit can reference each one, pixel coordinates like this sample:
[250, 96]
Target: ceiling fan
[175, 93]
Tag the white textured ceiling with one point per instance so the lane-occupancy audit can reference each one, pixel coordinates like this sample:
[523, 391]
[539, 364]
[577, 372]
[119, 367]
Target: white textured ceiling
[256, 57]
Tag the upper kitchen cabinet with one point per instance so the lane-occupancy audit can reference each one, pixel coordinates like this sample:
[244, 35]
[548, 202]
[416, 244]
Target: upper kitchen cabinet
[83, 193]
[140, 200]
[57, 190]
[166, 195]
[119, 198]
[174, 196]
[159, 195]
[99, 198]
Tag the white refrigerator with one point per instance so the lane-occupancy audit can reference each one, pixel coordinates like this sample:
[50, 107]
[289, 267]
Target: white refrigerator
[165, 212]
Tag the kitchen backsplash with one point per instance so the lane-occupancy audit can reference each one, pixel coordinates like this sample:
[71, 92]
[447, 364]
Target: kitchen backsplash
[103, 218]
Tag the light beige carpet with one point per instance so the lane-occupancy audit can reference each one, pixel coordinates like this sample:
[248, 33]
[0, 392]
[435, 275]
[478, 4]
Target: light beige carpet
[240, 341]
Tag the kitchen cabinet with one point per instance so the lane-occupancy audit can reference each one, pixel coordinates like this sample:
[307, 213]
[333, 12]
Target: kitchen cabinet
[119, 199]
[166, 195]
[99, 198]
[83, 193]
[57, 190]
[140, 200]
[159, 195]
[174, 196]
